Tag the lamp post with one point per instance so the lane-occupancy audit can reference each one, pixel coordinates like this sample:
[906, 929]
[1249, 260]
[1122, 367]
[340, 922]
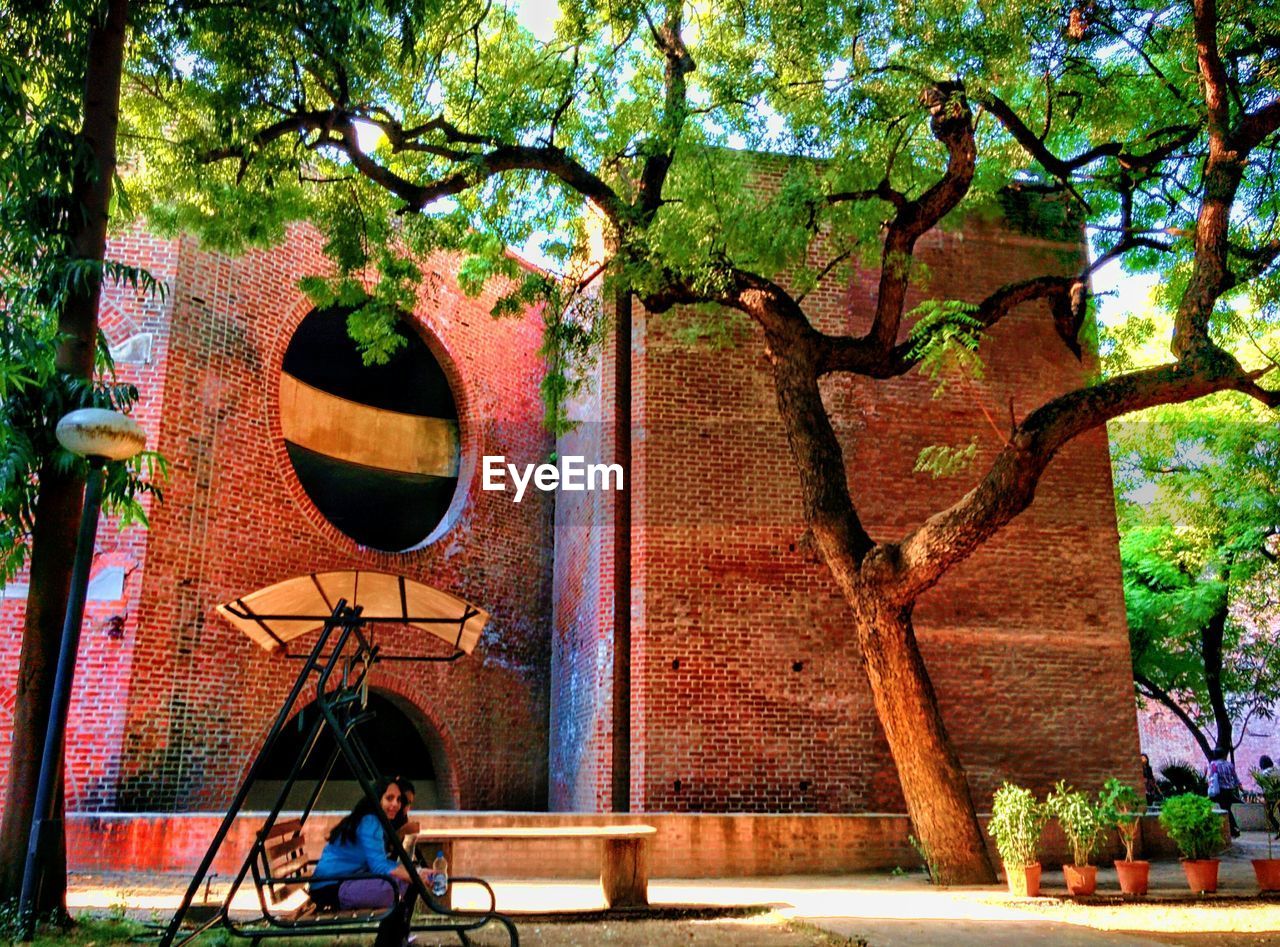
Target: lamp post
[98, 435]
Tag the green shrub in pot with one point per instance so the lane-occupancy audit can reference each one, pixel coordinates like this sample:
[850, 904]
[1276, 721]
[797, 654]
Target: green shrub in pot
[1122, 807]
[1017, 821]
[1193, 825]
[1080, 819]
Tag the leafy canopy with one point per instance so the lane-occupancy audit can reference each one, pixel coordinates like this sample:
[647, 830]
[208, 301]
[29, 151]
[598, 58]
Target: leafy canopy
[41, 85]
[1198, 503]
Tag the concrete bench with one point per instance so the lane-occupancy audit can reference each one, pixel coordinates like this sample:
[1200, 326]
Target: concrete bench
[624, 864]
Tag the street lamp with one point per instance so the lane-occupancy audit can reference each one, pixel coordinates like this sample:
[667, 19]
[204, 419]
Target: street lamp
[99, 436]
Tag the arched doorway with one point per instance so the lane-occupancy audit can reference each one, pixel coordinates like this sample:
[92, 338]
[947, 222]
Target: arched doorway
[399, 741]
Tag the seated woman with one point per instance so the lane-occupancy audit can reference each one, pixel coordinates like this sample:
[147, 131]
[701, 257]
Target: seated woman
[358, 845]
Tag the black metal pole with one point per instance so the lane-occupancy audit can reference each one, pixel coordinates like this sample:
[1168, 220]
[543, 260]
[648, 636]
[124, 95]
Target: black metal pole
[51, 760]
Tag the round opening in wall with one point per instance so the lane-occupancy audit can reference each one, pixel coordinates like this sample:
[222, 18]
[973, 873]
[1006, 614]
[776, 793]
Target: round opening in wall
[375, 447]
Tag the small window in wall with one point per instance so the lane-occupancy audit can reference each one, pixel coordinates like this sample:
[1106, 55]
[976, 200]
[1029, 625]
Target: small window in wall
[375, 447]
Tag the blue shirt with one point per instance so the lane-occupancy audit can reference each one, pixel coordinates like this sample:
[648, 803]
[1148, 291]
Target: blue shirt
[366, 854]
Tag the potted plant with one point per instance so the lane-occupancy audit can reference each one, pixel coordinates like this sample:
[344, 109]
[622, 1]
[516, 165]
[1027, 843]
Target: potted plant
[1123, 807]
[1017, 821]
[1082, 825]
[1267, 869]
[1197, 831]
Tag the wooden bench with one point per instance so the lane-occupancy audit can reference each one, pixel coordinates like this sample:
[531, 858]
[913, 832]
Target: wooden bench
[624, 864]
[283, 869]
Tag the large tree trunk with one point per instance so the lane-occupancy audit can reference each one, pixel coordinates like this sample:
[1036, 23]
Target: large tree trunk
[933, 781]
[57, 516]
[929, 771]
[61, 495]
[1211, 637]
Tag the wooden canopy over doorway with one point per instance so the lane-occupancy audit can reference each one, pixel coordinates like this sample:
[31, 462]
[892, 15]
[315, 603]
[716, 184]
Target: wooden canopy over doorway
[277, 614]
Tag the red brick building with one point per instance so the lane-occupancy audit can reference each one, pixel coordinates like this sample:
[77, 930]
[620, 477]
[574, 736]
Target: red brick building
[170, 702]
[747, 688]
[747, 692]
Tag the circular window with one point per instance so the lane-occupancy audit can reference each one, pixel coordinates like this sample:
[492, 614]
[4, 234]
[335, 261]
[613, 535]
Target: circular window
[376, 447]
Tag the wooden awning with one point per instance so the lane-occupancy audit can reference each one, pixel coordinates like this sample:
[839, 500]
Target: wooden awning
[276, 615]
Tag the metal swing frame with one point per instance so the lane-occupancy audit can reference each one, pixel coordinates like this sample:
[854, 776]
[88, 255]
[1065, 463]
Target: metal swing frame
[339, 661]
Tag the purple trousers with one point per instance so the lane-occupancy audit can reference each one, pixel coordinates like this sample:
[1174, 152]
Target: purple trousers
[370, 893]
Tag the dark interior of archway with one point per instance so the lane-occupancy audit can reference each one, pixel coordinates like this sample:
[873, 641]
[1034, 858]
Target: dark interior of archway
[394, 744]
[324, 356]
[383, 509]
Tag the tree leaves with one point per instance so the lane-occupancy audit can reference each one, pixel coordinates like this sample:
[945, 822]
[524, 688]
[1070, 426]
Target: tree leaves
[42, 76]
[1198, 498]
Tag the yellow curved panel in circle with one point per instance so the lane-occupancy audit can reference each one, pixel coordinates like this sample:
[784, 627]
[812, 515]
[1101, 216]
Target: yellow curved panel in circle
[360, 434]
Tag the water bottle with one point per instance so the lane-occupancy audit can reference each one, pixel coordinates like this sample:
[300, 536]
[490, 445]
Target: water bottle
[440, 875]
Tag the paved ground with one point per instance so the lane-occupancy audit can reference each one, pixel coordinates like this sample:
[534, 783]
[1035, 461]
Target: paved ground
[882, 910]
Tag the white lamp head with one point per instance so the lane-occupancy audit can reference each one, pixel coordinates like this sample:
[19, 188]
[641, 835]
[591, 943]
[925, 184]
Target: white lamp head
[97, 432]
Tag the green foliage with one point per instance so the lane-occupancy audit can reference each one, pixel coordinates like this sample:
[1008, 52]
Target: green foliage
[1268, 783]
[1121, 806]
[28, 446]
[945, 338]
[41, 83]
[1180, 778]
[1082, 820]
[1192, 824]
[1198, 503]
[573, 330]
[942, 460]
[433, 92]
[1017, 822]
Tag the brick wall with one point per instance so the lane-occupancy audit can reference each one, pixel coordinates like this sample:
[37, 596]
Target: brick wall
[734, 845]
[748, 693]
[136, 325]
[168, 716]
[1165, 739]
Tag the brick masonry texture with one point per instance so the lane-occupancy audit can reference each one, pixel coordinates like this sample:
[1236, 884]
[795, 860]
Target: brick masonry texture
[748, 693]
[688, 845]
[167, 716]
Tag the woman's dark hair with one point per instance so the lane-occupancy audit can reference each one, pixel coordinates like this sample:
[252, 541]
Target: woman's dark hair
[406, 789]
[1265, 762]
[345, 831]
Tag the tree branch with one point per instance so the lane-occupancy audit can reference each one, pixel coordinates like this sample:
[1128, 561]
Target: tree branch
[336, 129]
[1060, 168]
[951, 535]
[952, 125]
[1223, 172]
[1148, 688]
[863, 357]
[675, 108]
[1257, 125]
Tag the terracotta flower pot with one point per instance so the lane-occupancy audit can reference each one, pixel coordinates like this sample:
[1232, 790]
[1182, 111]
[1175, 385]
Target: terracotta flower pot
[1025, 881]
[1268, 872]
[1202, 875]
[1133, 876]
[1081, 879]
